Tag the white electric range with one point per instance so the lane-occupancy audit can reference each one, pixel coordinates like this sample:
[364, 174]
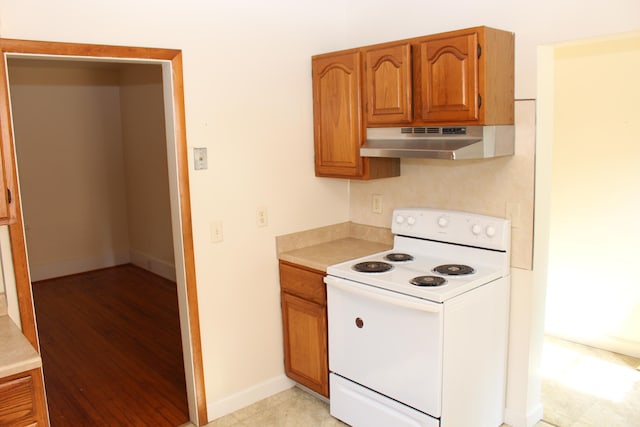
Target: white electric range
[418, 333]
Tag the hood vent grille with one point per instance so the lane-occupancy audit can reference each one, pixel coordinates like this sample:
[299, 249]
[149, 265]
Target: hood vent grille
[422, 130]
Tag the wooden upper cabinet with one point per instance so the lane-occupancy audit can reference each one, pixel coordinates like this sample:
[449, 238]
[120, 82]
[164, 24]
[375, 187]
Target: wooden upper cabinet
[449, 82]
[388, 83]
[465, 77]
[455, 78]
[338, 124]
[336, 110]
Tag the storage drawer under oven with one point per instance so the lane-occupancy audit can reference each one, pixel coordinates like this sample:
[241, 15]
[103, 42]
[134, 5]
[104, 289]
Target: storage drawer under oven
[359, 406]
[386, 341]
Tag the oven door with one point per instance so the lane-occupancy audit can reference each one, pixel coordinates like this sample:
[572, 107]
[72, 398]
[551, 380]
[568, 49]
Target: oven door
[386, 341]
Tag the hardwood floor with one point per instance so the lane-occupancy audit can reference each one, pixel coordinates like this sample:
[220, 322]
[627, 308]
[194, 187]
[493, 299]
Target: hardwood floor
[111, 349]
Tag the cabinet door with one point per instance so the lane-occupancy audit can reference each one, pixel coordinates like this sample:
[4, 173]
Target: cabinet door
[449, 78]
[305, 342]
[388, 84]
[7, 207]
[336, 112]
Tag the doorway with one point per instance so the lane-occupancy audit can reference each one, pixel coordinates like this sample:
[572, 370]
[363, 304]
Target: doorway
[171, 64]
[586, 227]
[91, 152]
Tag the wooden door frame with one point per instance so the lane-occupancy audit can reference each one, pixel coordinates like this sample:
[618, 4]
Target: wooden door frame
[16, 229]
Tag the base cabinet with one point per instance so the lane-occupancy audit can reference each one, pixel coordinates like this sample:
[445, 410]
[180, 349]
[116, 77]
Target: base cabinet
[304, 323]
[22, 401]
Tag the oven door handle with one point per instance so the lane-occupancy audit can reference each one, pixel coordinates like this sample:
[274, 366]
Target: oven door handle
[384, 296]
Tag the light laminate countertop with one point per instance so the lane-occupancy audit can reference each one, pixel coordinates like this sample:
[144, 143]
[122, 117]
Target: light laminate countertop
[16, 353]
[318, 248]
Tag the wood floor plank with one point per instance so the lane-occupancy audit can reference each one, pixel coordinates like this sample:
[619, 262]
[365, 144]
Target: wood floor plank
[111, 349]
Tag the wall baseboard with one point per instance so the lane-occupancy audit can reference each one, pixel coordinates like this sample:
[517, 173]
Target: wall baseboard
[154, 265]
[248, 397]
[78, 265]
[604, 342]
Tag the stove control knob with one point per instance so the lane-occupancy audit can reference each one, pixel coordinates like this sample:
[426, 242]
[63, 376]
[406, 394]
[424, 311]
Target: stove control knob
[411, 220]
[476, 229]
[443, 221]
[399, 219]
[490, 231]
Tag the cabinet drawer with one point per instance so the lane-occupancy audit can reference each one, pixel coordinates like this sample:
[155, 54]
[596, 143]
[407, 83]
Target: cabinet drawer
[17, 400]
[22, 400]
[305, 283]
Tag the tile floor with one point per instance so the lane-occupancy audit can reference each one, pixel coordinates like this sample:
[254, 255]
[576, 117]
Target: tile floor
[582, 387]
[589, 387]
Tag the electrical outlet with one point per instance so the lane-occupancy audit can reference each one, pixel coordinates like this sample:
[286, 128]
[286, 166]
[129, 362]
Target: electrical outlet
[261, 217]
[216, 231]
[376, 203]
[200, 158]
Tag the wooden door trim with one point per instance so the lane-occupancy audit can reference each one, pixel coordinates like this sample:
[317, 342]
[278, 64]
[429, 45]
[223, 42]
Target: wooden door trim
[16, 229]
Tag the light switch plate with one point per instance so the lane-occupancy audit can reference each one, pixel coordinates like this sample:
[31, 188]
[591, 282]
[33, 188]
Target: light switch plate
[376, 203]
[216, 231]
[200, 158]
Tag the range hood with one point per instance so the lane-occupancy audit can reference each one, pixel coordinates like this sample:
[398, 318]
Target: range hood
[448, 142]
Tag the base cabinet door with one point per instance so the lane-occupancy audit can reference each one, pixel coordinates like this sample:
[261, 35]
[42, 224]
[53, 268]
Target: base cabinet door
[305, 342]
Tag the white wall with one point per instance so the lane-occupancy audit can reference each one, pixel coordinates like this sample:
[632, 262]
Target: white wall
[67, 124]
[248, 100]
[145, 162]
[93, 166]
[595, 199]
[534, 23]
[247, 73]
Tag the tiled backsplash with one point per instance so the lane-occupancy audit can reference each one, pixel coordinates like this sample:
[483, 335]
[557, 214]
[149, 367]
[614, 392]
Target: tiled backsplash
[489, 187]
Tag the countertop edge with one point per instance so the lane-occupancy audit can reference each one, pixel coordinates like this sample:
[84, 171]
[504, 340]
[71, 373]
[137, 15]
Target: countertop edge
[3, 304]
[17, 353]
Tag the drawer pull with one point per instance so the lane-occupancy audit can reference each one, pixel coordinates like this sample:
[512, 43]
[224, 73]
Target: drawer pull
[359, 323]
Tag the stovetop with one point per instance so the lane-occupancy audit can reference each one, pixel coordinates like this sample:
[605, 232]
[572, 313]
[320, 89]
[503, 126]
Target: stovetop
[434, 238]
[398, 278]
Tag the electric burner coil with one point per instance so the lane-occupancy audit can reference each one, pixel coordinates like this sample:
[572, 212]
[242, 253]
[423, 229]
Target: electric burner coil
[372, 267]
[454, 270]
